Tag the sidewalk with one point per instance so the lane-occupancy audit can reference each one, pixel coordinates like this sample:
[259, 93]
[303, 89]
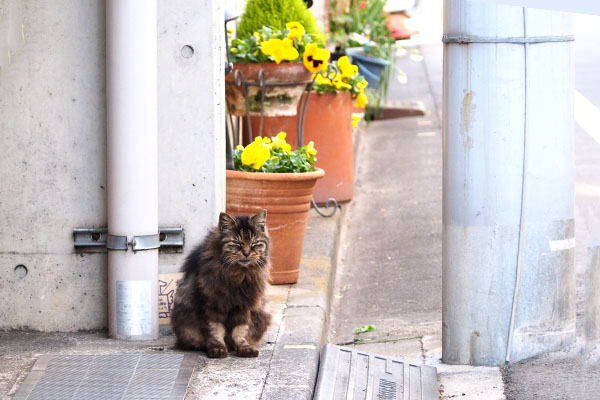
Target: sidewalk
[288, 363]
[389, 268]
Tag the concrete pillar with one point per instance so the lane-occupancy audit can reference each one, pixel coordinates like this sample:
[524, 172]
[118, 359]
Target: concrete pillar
[508, 201]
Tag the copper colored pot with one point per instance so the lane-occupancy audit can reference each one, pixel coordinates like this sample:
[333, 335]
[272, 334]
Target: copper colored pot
[285, 83]
[286, 197]
[328, 124]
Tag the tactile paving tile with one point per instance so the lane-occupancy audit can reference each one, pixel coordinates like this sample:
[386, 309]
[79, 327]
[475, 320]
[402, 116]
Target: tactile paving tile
[347, 373]
[113, 376]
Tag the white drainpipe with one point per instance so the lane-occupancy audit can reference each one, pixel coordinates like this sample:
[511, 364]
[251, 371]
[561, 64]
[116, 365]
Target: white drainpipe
[132, 170]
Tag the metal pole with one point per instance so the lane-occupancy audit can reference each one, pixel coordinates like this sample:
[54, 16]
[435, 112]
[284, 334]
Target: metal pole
[508, 202]
[592, 297]
[132, 183]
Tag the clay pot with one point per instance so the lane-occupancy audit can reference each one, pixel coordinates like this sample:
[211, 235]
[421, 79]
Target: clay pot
[286, 197]
[280, 99]
[328, 124]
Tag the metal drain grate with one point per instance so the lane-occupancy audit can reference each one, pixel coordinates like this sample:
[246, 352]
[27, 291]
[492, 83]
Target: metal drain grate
[112, 376]
[347, 373]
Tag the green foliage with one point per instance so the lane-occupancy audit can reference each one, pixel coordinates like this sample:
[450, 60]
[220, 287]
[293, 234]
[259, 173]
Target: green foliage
[363, 25]
[248, 49]
[280, 161]
[364, 328]
[275, 14]
[274, 155]
[342, 81]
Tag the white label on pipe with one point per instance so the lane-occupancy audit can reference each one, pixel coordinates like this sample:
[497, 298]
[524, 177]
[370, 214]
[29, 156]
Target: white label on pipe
[564, 244]
[134, 315]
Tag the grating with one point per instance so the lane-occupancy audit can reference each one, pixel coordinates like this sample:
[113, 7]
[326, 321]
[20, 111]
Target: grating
[109, 376]
[347, 373]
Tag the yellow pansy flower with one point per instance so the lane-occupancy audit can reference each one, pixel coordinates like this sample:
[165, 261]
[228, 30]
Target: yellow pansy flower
[346, 68]
[296, 30]
[257, 152]
[239, 147]
[321, 80]
[314, 58]
[280, 49]
[355, 120]
[310, 149]
[362, 84]
[280, 143]
[257, 36]
[361, 101]
[340, 84]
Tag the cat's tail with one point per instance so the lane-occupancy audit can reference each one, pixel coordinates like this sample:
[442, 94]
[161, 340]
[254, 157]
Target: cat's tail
[261, 320]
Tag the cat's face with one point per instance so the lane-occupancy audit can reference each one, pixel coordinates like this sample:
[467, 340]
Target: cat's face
[244, 240]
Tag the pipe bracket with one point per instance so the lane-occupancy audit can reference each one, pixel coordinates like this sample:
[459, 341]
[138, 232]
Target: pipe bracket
[114, 242]
[145, 242]
[511, 40]
[166, 238]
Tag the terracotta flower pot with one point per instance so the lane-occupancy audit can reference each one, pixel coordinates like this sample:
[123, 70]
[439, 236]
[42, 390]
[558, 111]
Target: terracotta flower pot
[286, 197]
[280, 99]
[328, 123]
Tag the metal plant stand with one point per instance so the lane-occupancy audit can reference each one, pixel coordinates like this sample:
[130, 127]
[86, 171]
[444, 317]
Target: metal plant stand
[234, 127]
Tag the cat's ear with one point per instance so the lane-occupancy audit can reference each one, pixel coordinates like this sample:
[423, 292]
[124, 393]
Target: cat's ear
[259, 221]
[226, 222]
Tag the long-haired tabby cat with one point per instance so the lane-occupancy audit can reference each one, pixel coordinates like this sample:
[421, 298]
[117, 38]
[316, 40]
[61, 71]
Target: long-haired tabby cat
[220, 303]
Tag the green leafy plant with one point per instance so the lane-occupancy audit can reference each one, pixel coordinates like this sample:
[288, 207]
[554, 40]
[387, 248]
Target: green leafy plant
[346, 78]
[268, 44]
[363, 24]
[275, 14]
[274, 155]
[364, 329]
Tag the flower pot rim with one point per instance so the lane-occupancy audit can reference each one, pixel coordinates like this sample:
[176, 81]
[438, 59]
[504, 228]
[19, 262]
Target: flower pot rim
[276, 176]
[369, 59]
[270, 63]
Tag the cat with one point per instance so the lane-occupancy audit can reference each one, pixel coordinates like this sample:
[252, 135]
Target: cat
[220, 304]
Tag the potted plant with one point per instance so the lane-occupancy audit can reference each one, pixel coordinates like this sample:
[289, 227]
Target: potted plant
[269, 175]
[359, 29]
[329, 121]
[277, 49]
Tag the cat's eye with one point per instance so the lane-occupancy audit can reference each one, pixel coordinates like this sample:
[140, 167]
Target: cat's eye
[258, 246]
[232, 246]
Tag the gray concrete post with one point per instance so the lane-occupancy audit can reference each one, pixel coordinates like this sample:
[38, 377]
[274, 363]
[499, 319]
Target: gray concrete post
[508, 201]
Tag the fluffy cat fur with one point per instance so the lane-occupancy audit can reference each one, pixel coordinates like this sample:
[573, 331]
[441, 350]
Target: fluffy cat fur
[220, 303]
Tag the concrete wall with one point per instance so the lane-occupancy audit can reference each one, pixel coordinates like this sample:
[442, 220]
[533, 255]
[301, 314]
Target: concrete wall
[53, 150]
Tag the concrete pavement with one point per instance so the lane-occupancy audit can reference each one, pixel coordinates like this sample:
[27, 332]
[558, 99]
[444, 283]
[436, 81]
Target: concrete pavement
[389, 262]
[288, 363]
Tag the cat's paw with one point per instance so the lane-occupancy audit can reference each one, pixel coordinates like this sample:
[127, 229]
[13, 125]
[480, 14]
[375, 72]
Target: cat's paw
[247, 351]
[217, 352]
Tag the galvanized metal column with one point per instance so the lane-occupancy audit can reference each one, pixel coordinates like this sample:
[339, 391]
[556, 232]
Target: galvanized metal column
[131, 64]
[508, 203]
[592, 297]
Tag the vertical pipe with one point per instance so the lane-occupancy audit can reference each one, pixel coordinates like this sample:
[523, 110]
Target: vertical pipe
[132, 184]
[592, 297]
[503, 204]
